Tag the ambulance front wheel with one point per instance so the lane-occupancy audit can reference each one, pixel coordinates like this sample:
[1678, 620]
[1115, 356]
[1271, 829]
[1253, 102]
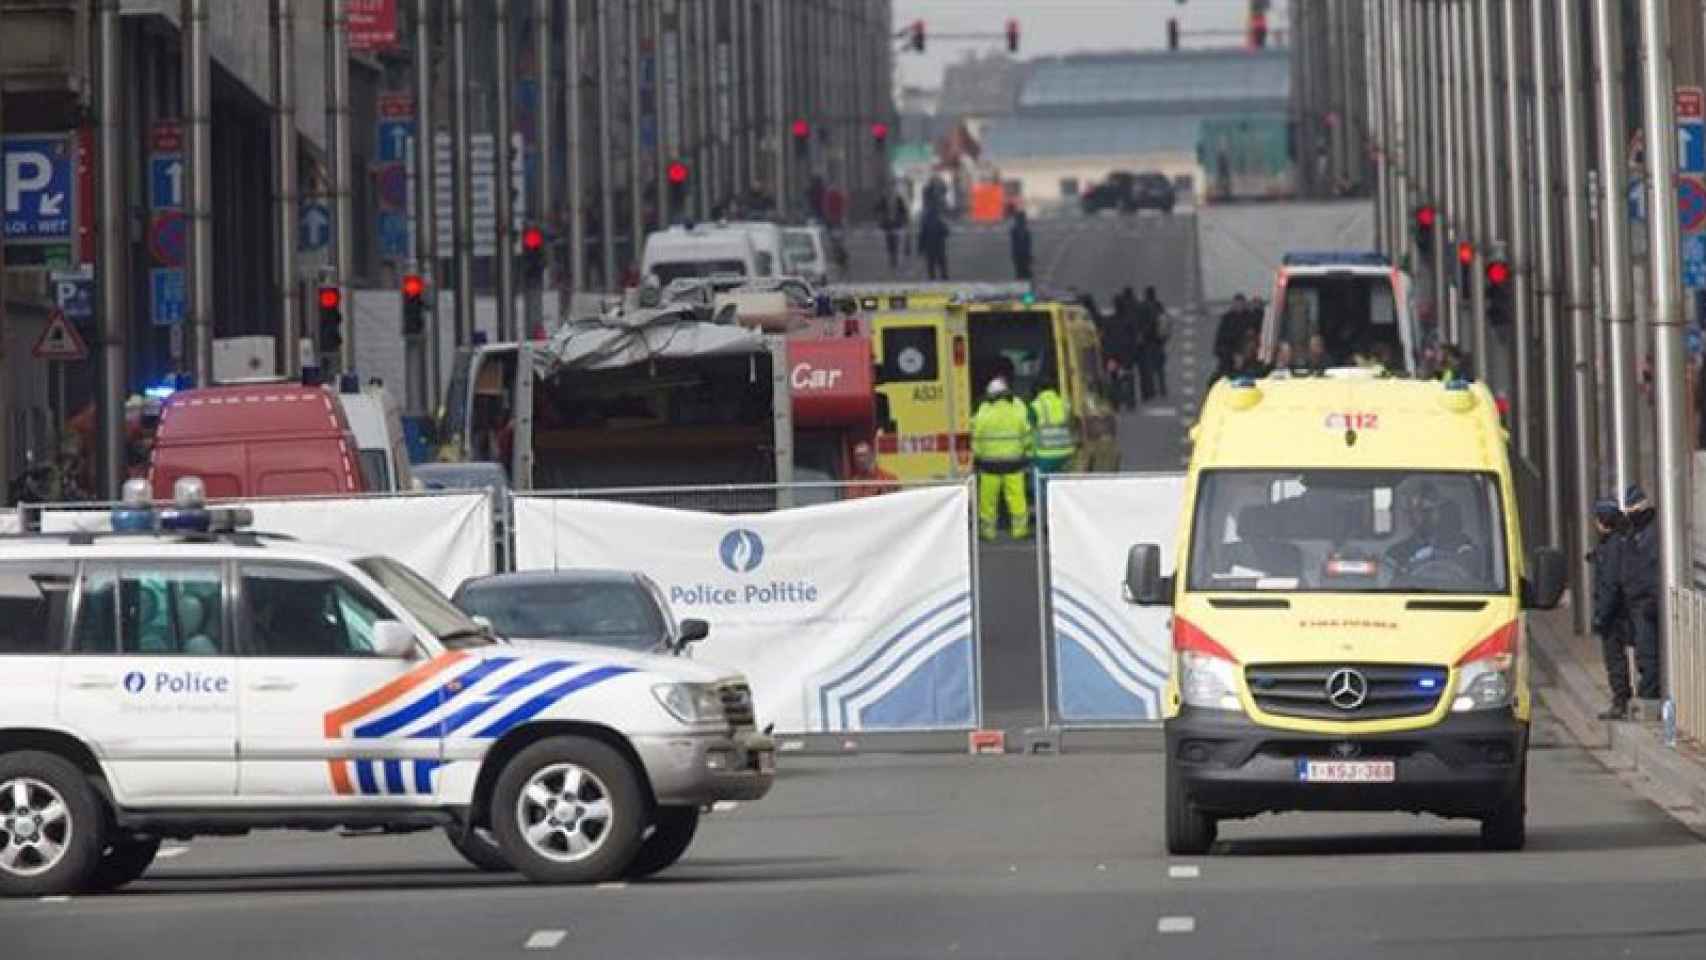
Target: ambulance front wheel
[1190, 832]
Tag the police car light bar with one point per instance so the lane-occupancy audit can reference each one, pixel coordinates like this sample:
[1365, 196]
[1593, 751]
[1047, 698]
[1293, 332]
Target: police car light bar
[1336, 258]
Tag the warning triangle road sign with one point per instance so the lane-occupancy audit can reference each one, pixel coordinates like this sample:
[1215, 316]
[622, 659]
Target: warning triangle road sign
[60, 341]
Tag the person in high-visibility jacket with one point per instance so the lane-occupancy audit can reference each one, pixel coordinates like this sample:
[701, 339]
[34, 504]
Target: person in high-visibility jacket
[1055, 444]
[1001, 445]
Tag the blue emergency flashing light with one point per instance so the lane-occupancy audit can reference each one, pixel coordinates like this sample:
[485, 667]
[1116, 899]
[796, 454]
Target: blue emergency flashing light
[1457, 383]
[1427, 683]
[161, 392]
[1243, 383]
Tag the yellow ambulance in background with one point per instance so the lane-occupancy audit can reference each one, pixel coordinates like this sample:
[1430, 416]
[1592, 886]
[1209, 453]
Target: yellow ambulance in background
[1347, 608]
[937, 346]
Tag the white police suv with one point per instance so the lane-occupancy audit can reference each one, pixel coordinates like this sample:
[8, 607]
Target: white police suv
[183, 677]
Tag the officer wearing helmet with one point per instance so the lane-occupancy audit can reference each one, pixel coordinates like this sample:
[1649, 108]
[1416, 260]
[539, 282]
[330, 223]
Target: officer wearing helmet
[1610, 612]
[1639, 577]
[1002, 442]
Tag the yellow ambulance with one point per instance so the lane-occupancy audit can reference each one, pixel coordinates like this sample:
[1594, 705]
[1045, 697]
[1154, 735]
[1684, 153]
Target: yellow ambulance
[1347, 608]
[936, 346]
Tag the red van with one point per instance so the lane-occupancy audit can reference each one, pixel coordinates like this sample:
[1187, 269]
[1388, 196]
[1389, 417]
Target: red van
[256, 439]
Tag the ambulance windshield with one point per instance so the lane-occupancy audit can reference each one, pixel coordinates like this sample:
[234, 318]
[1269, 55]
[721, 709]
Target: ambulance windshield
[1350, 531]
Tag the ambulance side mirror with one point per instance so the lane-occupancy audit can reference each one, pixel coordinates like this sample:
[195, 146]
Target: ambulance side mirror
[1547, 574]
[1144, 584]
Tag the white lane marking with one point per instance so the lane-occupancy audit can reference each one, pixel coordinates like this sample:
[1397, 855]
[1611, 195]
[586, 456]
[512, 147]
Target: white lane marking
[1176, 925]
[613, 885]
[59, 899]
[545, 939]
[1161, 411]
[167, 853]
[1184, 872]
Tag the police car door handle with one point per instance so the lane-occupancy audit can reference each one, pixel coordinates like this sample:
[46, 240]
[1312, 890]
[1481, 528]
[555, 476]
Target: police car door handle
[273, 683]
[94, 681]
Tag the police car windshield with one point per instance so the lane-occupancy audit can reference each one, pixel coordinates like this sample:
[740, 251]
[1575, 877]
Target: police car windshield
[435, 611]
[1349, 531]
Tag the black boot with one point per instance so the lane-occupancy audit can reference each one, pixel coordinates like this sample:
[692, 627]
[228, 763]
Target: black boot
[1619, 710]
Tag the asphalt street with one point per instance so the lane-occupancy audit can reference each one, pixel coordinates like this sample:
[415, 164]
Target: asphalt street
[1097, 255]
[945, 856]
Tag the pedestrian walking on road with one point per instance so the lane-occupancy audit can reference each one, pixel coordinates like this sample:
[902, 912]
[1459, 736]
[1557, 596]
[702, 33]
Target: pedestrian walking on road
[1229, 333]
[1001, 444]
[1119, 341]
[1610, 613]
[894, 220]
[1019, 239]
[1639, 578]
[933, 243]
[1154, 329]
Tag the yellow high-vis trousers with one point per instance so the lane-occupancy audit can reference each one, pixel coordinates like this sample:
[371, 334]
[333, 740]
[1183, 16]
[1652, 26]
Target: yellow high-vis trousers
[991, 488]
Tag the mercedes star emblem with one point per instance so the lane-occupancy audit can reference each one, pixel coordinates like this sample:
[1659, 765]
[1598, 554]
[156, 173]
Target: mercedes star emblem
[1347, 689]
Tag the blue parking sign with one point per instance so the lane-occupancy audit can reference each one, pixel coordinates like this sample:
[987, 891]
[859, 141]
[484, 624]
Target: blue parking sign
[1694, 262]
[35, 187]
[1691, 146]
[166, 285]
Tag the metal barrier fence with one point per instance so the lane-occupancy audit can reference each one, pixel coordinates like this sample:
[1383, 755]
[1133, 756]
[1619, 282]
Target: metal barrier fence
[1688, 671]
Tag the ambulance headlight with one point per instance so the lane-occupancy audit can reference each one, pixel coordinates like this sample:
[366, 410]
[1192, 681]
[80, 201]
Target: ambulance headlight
[1208, 682]
[1485, 685]
[690, 702]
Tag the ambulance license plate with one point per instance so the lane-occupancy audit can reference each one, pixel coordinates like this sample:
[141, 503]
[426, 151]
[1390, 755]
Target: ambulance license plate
[1347, 771]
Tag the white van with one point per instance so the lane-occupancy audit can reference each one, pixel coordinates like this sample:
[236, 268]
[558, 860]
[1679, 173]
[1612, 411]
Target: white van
[805, 253]
[703, 250]
[767, 241]
[378, 427]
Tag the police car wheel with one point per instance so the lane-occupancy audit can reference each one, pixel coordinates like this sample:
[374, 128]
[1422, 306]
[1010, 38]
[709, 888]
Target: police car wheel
[479, 848]
[126, 859]
[569, 810]
[671, 834]
[1190, 832]
[52, 827]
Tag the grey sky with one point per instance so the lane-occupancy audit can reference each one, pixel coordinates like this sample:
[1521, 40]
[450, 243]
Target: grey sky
[1063, 26]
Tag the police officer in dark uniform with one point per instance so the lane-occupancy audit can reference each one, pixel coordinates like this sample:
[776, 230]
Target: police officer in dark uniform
[1640, 583]
[1610, 613]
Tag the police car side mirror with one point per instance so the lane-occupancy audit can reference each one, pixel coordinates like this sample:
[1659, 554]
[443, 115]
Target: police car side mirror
[1144, 584]
[393, 639]
[692, 631]
[1547, 574]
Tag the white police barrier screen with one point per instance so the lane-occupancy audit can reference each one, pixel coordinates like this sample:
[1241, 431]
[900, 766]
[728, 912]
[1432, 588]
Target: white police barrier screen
[1110, 657]
[446, 538]
[8, 522]
[854, 615]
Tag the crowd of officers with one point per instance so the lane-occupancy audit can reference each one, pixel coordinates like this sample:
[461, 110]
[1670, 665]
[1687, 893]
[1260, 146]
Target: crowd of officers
[1626, 597]
[1013, 441]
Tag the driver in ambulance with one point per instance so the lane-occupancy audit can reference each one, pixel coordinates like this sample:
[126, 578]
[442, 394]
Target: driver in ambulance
[1436, 530]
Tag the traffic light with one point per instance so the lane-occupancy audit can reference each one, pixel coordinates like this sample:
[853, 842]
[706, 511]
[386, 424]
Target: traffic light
[1012, 35]
[880, 134]
[331, 319]
[678, 174]
[1498, 292]
[1172, 34]
[917, 39]
[1426, 215]
[802, 131]
[1465, 263]
[414, 305]
[1258, 30]
[532, 255]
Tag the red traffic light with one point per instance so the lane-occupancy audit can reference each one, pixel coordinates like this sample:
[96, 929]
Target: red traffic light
[532, 239]
[879, 131]
[677, 172]
[1012, 36]
[1466, 253]
[917, 38]
[413, 286]
[330, 298]
[801, 129]
[1498, 273]
[1425, 216]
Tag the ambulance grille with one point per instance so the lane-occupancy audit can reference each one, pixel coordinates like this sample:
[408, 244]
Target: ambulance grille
[1303, 690]
[737, 703]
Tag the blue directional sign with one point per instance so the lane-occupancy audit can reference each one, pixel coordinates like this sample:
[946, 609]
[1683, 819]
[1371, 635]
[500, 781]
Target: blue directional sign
[166, 287]
[166, 180]
[393, 235]
[35, 185]
[1694, 262]
[1691, 146]
[394, 138]
[314, 229]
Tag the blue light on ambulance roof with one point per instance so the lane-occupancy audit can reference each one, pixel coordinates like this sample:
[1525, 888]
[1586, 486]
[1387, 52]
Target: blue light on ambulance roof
[162, 391]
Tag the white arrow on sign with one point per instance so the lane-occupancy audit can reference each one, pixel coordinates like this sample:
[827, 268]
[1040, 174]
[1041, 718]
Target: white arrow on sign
[52, 204]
